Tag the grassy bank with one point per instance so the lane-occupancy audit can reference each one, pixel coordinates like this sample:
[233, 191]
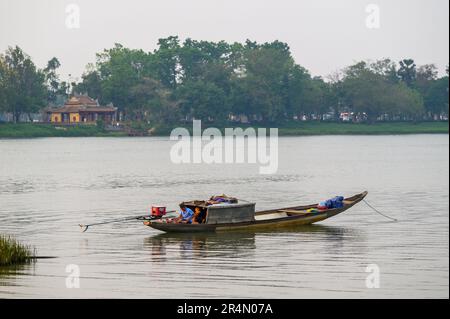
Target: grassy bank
[365, 129]
[286, 129]
[13, 253]
[330, 128]
[28, 130]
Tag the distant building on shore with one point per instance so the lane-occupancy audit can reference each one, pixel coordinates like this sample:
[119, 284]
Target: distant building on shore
[82, 109]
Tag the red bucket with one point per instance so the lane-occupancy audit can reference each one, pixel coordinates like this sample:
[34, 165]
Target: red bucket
[158, 211]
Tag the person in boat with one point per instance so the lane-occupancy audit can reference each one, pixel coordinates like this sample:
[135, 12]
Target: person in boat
[186, 215]
[199, 216]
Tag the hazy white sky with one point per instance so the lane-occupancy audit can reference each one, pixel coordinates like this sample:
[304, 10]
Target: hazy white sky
[324, 35]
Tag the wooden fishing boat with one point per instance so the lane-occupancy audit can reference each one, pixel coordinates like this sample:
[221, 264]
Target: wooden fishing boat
[242, 216]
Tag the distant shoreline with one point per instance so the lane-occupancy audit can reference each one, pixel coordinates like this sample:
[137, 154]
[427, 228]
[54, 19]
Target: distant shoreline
[31, 130]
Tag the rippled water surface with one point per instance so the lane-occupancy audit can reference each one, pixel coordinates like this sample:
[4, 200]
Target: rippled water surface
[49, 186]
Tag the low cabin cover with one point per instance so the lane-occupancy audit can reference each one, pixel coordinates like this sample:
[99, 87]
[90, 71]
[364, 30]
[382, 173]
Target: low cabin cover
[229, 211]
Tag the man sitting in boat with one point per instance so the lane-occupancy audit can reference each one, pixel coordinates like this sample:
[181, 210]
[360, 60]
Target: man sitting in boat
[199, 216]
[186, 215]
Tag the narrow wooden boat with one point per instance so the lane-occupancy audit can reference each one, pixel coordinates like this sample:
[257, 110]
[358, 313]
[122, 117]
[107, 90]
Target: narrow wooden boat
[242, 216]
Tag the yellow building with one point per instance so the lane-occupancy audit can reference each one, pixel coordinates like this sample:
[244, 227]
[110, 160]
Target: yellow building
[82, 109]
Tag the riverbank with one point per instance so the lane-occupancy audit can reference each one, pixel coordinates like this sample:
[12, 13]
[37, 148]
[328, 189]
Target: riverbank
[28, 130]
[386, 128]
[12, 252]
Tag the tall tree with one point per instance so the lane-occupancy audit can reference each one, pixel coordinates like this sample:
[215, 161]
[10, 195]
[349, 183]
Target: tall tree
[150, 100]
[407, 72]
[436, 98]
[386, 68]
[426, 84]
[3, 78]
[267, 68]
[120, 69]
[203, 100]
[167, 61]
[336, 94]
[298, 86]
[23, 85]
[373, 94]
[55, 87]
[316, 97]
[91, 84]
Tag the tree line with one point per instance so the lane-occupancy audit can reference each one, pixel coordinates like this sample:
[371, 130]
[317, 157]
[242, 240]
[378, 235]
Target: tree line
[218, 81]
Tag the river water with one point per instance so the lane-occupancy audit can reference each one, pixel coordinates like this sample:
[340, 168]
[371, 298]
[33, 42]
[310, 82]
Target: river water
[49, 186]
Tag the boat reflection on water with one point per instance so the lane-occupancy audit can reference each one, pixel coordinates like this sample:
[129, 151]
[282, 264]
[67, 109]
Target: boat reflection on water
[241, 244]
[199, 245]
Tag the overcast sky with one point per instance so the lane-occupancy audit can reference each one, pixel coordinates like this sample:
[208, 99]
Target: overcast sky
[324, 35]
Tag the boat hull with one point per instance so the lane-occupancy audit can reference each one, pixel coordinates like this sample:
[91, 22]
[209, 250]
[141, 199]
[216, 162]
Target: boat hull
[282, 222]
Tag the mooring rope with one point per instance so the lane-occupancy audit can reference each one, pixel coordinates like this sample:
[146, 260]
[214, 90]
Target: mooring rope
[377, 211]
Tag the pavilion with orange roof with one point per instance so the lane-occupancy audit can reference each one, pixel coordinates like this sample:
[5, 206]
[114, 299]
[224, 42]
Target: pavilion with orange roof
[82, 109]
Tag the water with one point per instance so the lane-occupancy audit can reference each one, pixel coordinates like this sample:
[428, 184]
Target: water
[49, 186]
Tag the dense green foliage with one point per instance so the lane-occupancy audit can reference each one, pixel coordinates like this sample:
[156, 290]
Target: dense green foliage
[218, 82]
[214, 80]
[12, 252]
